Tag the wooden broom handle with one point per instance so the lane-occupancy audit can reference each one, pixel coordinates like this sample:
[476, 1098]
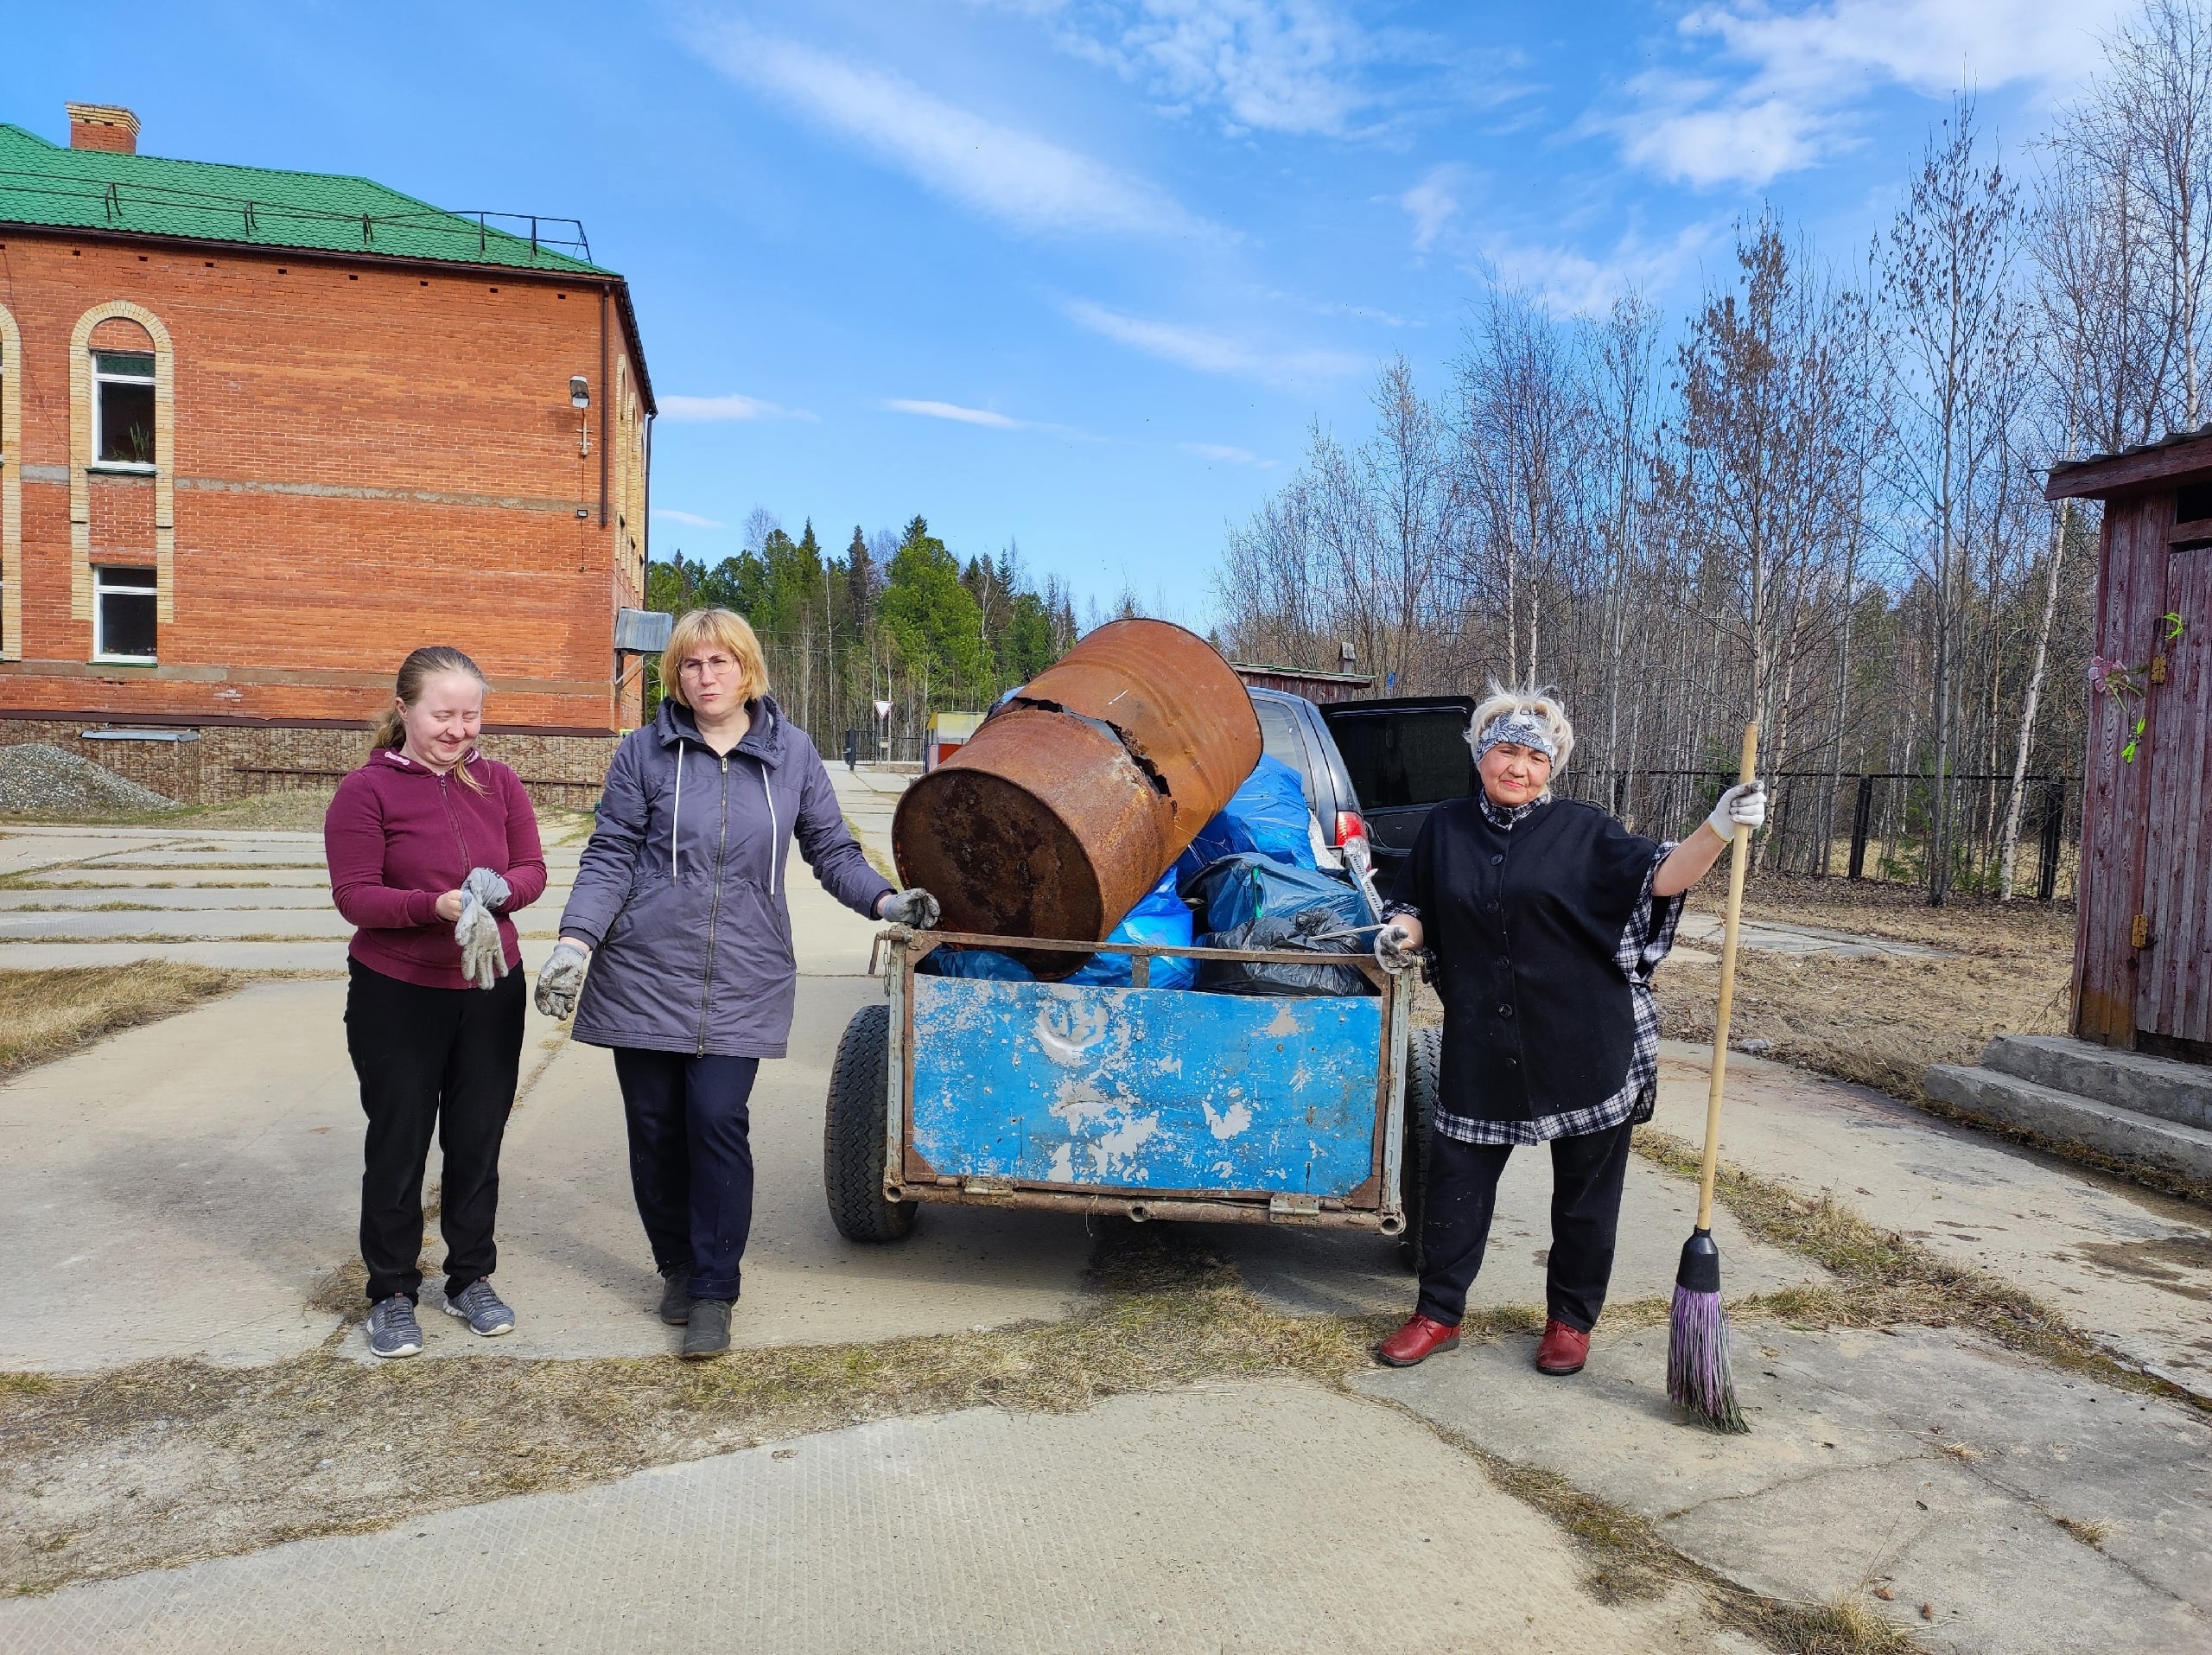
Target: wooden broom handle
[1738, 861]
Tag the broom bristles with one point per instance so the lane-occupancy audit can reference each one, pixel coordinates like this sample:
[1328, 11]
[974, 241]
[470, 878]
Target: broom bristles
[1698, 1376]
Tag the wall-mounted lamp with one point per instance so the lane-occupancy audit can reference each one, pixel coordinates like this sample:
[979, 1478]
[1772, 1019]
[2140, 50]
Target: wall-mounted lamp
[580, 399]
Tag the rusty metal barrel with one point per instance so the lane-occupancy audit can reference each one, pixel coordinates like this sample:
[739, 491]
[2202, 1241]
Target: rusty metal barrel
[1069, 802]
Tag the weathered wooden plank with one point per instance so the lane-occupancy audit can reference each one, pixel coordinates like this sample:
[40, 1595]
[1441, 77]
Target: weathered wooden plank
[1149, 1089]
[2174, 467]
[2177, 991]
[2131, 591]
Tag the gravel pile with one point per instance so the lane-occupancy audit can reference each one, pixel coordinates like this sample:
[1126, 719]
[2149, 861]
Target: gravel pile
[37, 777]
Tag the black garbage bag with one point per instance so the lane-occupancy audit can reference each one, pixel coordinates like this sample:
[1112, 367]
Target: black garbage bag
[1319, 930]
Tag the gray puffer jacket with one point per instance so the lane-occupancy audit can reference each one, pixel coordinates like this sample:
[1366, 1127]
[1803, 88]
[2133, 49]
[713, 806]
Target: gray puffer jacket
[681, 890]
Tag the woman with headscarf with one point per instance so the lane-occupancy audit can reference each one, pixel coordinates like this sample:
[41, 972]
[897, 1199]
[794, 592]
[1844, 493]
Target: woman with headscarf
[679, 908]
[1545, 919]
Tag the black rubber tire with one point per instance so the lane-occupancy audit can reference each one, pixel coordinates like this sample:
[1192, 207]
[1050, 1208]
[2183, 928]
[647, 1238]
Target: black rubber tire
[1424, 1058]
[853, 1133]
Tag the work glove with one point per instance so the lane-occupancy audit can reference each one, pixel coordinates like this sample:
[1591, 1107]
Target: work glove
[1742, 805]
[488, 887]
[1393, 947]
[560, 980]
[483, 955]
[911, 906]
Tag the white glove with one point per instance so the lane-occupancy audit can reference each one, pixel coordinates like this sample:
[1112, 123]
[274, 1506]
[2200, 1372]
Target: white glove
[912, 907]
[1742, 805]
[560, 980]
[1394, 949]
[483, 956]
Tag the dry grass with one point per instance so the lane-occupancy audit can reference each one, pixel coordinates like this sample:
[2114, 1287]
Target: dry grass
[1877, 1022]
[49, 1013]
[2088, 1533]
[1966, 925]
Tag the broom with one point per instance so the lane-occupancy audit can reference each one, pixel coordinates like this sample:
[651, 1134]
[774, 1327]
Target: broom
[1697, 1331]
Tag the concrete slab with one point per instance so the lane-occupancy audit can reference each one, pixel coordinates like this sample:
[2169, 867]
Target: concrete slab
[1777, 938]
[1926, 1463]
[311, 897]
[2132, 1268]
[184, 924]
[1253, 1517]
[317, 957]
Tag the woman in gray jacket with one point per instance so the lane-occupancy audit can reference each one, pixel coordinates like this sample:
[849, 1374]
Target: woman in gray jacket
[678, 908]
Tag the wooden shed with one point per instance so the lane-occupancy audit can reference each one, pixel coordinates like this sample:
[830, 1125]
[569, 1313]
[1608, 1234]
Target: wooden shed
[2143, 944]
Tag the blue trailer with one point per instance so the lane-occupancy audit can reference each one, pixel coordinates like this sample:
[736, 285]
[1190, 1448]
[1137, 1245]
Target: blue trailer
[1140, 1101]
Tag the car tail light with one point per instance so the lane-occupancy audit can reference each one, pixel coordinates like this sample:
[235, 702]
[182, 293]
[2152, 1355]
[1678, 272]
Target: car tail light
[1349, 826]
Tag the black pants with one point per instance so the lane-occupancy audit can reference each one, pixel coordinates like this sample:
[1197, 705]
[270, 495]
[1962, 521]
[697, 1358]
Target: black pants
[443, 1058]
[691, 1160]
[1587, 1173]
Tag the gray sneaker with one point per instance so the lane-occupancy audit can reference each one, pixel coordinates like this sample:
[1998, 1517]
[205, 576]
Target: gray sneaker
[676, 1293]
[478, 1306]
[392, 1328]
[706, 1335]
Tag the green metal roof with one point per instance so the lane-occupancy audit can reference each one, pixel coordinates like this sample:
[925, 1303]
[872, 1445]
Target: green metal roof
[43, 183]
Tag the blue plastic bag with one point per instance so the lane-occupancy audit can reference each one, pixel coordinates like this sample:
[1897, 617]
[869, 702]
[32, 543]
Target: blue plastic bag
[1161, 918]
[1266, 817]
[1237, 890]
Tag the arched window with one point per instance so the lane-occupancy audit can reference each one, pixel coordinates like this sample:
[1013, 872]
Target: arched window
[122, 420]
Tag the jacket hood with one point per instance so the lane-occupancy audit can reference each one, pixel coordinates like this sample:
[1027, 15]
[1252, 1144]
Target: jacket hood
[765, 741]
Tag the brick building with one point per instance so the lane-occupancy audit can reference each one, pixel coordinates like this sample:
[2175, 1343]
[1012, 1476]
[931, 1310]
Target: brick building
[262, 433]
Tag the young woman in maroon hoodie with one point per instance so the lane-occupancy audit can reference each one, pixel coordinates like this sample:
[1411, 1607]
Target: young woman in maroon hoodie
[427, 837]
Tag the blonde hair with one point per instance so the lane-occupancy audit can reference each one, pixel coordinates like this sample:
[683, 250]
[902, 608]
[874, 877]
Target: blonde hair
[724, 627]
[1540, 704]
[415, 675]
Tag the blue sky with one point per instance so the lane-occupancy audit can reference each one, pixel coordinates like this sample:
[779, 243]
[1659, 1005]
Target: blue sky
[1076, 274]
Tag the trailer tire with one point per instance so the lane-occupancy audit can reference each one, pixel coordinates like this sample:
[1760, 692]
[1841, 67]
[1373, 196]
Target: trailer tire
[1424, 1058]
[853, 1133]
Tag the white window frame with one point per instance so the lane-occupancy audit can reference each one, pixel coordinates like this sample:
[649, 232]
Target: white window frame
[117, 577]
[136, 468]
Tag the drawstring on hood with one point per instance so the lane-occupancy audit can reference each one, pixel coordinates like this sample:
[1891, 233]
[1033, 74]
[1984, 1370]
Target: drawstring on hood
[676, 811]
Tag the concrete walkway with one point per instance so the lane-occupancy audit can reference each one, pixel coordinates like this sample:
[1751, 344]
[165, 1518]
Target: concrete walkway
[1256, 1518]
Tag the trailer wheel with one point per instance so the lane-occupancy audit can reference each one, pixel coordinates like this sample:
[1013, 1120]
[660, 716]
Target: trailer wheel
[853, 1133]
[1425, 1056]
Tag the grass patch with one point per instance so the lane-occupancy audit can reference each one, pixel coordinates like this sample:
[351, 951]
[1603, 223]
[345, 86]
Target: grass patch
[1879, 1022]
[45, 1015]
[1967, 924]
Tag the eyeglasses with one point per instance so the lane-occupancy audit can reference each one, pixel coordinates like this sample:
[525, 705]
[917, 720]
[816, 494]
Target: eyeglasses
[703, 666]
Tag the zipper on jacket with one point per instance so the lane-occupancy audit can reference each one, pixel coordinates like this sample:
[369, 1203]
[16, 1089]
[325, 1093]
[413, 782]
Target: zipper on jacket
[771, 797]
[461, 837]
[713, 906]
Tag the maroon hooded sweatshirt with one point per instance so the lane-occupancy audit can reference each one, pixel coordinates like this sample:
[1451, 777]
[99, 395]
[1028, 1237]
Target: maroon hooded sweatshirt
[398, 836]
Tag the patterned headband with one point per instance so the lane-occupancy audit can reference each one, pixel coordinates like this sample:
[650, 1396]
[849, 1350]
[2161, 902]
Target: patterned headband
[1522, 728]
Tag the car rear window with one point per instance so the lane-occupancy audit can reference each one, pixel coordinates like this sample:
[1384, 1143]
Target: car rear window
[1280, 739]
[1406, 758]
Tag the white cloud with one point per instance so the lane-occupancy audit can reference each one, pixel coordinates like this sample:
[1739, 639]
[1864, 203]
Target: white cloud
[1204, 350]
[954, 411]
[1015, 177]
[733, 406]
[1432, 203]
[1301, 66]
[689, 520]
[1800, 71]
[1222, 454]
[1571, 282]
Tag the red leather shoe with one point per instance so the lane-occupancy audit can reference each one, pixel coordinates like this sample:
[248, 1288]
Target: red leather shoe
[1416, 1341]
[1564, 1350]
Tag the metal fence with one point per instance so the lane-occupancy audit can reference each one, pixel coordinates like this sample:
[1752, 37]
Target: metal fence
[1878, 826]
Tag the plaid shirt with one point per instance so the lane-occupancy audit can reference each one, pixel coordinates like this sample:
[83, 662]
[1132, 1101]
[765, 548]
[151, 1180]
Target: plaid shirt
[1638, 954]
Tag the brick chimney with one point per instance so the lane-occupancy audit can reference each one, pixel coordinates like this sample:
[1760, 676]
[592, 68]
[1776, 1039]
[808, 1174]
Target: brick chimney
[103, 126]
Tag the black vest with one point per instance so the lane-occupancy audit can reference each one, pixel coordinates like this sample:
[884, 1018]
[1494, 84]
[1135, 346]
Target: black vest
[1526, 923]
